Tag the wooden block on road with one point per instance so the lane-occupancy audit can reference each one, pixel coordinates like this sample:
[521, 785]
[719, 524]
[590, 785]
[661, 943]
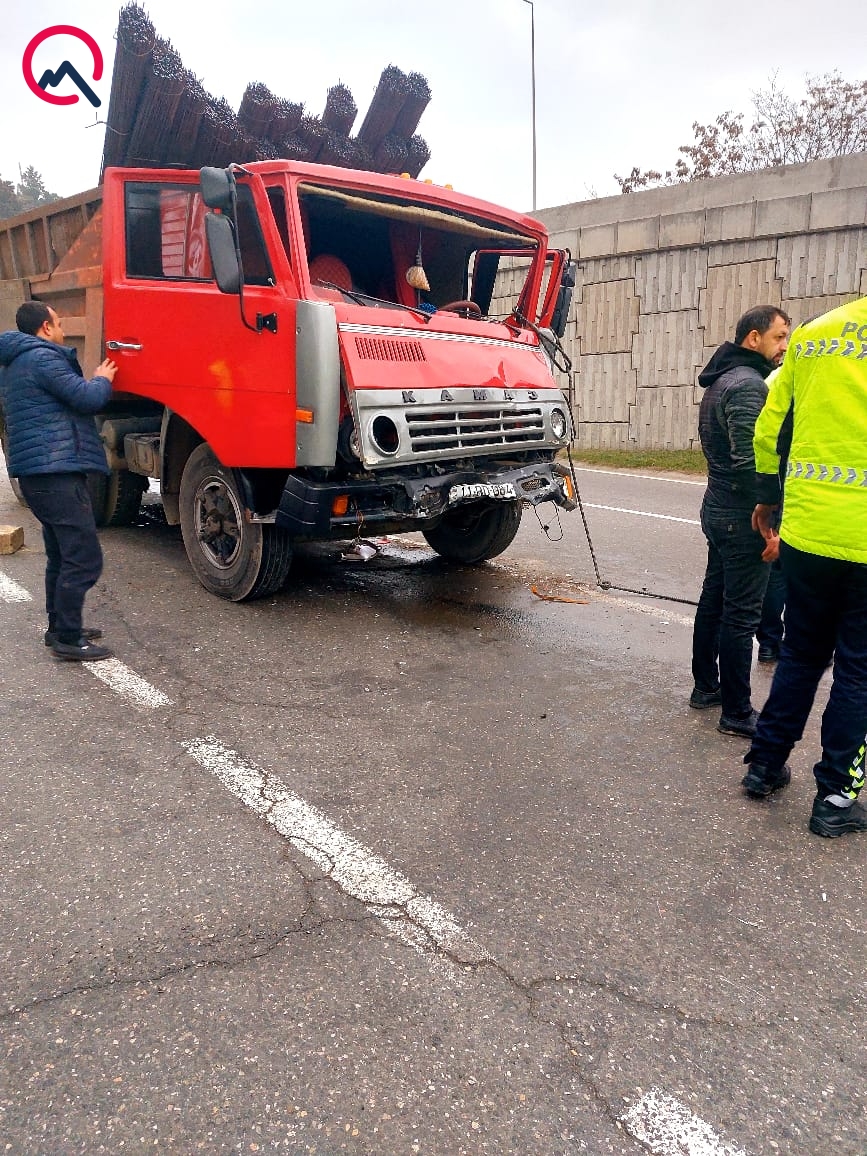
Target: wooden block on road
[11, 539]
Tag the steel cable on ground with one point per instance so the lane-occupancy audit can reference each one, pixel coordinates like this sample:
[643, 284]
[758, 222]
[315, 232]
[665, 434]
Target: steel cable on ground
[600, 581]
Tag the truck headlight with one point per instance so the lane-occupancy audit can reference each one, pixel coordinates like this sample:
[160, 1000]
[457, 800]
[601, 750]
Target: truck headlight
[559, 425]
[384, 435]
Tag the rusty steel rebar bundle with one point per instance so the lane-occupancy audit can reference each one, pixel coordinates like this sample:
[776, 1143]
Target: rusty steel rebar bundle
[417, 99]
[263, 150]
[361, 156]
[157, 107]
[388, 100]
[340, 110]
[392, 154]
[336, 149]
[312, 133]
[160, 114]
[295, 148]
[285, 120]
[256, 110]
[135, 42]
[217, 134]
[418, 155]
[180, 139]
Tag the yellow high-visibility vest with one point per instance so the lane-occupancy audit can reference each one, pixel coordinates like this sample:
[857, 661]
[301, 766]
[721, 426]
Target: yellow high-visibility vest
[824, 375]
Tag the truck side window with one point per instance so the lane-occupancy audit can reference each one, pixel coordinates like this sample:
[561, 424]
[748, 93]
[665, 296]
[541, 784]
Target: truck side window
[254, 256]
[165, 235]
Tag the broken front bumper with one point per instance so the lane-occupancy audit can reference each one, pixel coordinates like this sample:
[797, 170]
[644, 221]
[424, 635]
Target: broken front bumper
[393, 503]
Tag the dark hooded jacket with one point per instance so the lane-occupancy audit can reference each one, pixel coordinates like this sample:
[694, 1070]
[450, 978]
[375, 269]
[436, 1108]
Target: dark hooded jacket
[735, 391]
[48, 408]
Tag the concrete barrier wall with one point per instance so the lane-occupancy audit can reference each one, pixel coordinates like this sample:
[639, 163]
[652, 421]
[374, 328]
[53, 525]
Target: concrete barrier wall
[664, 275]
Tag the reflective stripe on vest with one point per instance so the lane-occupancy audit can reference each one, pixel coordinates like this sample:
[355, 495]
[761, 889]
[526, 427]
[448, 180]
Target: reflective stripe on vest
[810, 472]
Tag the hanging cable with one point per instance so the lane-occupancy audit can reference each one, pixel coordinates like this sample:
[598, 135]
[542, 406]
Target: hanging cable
[600, 581]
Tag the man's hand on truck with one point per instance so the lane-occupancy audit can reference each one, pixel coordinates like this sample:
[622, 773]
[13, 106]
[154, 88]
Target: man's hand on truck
[107, 368]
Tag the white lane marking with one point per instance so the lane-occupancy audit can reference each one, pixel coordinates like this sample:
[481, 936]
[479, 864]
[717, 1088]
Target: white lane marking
[645, 477]
[668, 1128]
[11, 592]
[643, 513]
[390, 896]
[128, 684]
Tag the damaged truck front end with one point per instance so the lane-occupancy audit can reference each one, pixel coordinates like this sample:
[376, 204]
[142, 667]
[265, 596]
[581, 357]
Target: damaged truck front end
[450, 418]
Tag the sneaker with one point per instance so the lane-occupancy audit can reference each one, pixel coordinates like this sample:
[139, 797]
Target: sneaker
[742, 727]
[702, 699]
[769, 653]
[831, 821]
[760, 781]
[81, 651]
[90, 634]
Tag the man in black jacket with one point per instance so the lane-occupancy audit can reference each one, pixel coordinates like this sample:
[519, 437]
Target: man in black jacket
[730, 605]
[52, 444]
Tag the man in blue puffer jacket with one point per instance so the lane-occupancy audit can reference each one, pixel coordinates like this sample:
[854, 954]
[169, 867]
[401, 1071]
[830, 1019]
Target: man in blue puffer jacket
[52, 444]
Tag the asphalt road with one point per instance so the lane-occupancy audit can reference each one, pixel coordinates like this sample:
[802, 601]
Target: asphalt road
[410, 859]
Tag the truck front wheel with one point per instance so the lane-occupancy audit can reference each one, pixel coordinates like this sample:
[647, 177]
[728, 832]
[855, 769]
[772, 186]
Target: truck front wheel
[476, 532]
[230, 556]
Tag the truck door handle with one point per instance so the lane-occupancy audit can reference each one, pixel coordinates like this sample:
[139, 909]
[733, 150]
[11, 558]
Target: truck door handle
[114, 346]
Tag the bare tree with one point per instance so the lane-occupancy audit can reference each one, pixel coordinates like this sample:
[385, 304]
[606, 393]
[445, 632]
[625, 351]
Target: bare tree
[829, 121]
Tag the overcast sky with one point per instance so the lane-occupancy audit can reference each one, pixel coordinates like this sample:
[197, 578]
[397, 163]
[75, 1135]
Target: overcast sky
[617, 85]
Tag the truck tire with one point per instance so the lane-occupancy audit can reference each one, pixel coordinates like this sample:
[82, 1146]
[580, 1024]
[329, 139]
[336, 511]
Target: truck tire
[231, 557]
[476, 532]
[116, 497]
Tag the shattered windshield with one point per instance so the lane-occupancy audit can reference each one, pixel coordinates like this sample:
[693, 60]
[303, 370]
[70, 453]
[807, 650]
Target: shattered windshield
[383, 250]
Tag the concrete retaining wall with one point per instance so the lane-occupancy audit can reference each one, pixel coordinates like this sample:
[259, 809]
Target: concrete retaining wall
[664, 275]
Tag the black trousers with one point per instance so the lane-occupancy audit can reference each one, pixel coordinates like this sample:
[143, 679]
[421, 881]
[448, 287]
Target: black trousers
[62, 504]
[826, 614]
[770, 631]
[729, 608]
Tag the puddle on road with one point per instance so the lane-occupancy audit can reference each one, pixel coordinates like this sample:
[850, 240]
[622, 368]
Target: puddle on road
[406, 575]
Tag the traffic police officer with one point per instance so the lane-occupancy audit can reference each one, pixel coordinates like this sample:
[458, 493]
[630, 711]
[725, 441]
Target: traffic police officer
[822, 544]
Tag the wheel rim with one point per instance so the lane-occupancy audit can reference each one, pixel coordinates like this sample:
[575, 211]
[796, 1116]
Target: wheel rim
[218, 523]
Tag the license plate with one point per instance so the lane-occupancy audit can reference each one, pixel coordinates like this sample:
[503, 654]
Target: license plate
[471, 492]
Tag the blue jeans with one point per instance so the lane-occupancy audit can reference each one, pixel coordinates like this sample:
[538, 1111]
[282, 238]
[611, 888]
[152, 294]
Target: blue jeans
[62, 504]
[729, 608]
[826, 614]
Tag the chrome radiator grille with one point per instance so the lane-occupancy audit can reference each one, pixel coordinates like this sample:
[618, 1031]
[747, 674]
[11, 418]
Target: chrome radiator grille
[484, 425]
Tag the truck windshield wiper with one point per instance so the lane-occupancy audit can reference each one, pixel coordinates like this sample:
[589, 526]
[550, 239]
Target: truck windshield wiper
[362, 298]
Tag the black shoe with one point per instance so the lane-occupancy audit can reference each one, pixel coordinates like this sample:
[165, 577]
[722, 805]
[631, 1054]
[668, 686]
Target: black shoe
[769, 653]
[760, 781]
[81, 651]
[702, 699]
[742, 727]
[89, 633]
[832, 821]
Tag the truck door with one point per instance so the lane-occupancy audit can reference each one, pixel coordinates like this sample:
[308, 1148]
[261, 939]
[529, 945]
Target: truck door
[182, 343]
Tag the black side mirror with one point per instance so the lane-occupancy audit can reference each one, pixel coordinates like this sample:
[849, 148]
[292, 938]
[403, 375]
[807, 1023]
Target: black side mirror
[218, 188]
[224, 256]
[564, 299]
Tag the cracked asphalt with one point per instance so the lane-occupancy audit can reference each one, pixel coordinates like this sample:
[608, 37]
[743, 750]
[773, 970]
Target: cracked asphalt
[177, 973]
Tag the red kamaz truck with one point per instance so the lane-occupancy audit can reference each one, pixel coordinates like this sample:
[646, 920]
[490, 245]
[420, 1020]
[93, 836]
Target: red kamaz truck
[308, 352]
